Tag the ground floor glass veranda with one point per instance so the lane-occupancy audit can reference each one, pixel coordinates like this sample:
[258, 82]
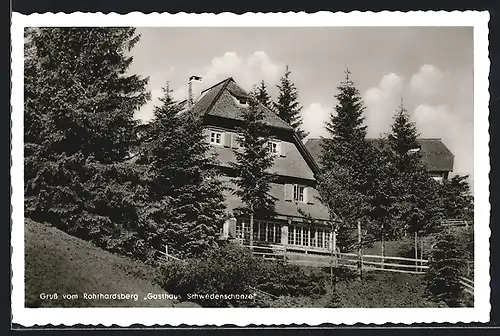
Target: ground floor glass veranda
[292, 234]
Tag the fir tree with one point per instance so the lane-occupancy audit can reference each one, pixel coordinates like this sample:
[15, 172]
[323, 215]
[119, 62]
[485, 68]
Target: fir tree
[347, 161]
[445, 269]
[287, 106]
[262, 96]
[252, 163]
[414, 197]
[402, 140]
[187, 204]
[80, 102]
[387, 192]
[456, 198]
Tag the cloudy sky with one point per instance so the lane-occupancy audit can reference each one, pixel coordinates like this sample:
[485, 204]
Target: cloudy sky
[431, 68]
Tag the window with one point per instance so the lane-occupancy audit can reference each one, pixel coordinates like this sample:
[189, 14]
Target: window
[298, 193]
[320, 238]
[215, 138]
[308, 236]
[273, 147]
[263, 231]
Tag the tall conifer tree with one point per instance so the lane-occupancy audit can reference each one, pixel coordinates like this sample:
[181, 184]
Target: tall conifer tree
[262, 96]
[80, 102]
[346, 152]
[187, 205]
[287, 106]
[252, 165]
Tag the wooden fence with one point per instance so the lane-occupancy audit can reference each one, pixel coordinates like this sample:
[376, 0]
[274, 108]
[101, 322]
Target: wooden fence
[324, 258]
[164, 256]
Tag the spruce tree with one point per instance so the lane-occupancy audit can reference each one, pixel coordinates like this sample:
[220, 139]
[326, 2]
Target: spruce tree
[252, 165]
[79, 107]
[402, 140]
[416, 198]
[456, 198]
[287, 106]
[262, 96]
[187, 204]
[347, 161]
[445, 268]
[387, 192]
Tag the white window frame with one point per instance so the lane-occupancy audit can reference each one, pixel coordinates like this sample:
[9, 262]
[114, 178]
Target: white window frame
[270, 147]
[296, 192]
[309, 237]
[214, 134]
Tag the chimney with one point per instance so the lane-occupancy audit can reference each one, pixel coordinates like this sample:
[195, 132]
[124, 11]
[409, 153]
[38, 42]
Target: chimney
[190, 100]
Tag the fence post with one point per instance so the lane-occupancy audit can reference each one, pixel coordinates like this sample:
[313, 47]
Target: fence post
[166, 252]
[416, 251]
[360, 256]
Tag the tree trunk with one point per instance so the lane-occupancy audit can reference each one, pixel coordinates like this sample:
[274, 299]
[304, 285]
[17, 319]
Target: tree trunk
[360, 256]
[250, 241]
[416, 251]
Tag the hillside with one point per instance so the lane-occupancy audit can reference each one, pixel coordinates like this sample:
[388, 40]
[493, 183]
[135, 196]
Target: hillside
[56, 262]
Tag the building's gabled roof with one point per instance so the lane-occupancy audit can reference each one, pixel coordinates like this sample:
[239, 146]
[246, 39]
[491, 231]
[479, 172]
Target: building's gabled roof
[436, 156]
[221, 100]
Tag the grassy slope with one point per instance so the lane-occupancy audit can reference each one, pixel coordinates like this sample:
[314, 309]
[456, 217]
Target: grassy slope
[56, 262]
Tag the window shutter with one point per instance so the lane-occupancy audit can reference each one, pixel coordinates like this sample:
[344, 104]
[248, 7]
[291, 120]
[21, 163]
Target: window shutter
[288, 192]
[281, 149]
[234, 140]
[227, 139]
[309, 195]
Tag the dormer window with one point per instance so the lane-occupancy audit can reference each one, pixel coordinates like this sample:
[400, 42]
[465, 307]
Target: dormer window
[241, 101]
[216, 138]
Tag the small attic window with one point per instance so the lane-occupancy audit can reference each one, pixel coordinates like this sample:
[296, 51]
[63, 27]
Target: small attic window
[241, 101]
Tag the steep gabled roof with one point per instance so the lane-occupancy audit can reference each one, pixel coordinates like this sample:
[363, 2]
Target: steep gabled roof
[221, 100]
[436, 156]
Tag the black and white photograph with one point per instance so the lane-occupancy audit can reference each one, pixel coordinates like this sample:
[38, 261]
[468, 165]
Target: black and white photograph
[217, 165]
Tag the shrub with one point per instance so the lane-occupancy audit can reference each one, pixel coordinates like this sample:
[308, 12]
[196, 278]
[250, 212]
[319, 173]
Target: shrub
[232, 269]
[280, 278]
[445, 268]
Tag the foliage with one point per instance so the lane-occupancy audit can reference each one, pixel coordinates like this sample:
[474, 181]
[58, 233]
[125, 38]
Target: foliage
[253, 161]
[262, 96]
[287, 106]
[232, 269]
[186, 203]
[406, 198]
[279, 278]
[385, 290]
[402, 140]
[80, 101]
[457, 200]
[445, 268]
[348, 162]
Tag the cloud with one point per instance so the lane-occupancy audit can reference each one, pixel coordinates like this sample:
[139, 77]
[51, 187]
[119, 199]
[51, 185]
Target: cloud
[381, 103]
[314, 117]
[246, 71]
[442, 121]
[440, 104]
[429, 84]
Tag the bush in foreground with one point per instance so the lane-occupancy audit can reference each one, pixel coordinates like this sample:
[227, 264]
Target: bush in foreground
[445, 268]
[232, 269]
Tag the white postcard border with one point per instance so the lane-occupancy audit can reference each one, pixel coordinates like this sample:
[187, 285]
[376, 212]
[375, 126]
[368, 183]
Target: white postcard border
[30, 317]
